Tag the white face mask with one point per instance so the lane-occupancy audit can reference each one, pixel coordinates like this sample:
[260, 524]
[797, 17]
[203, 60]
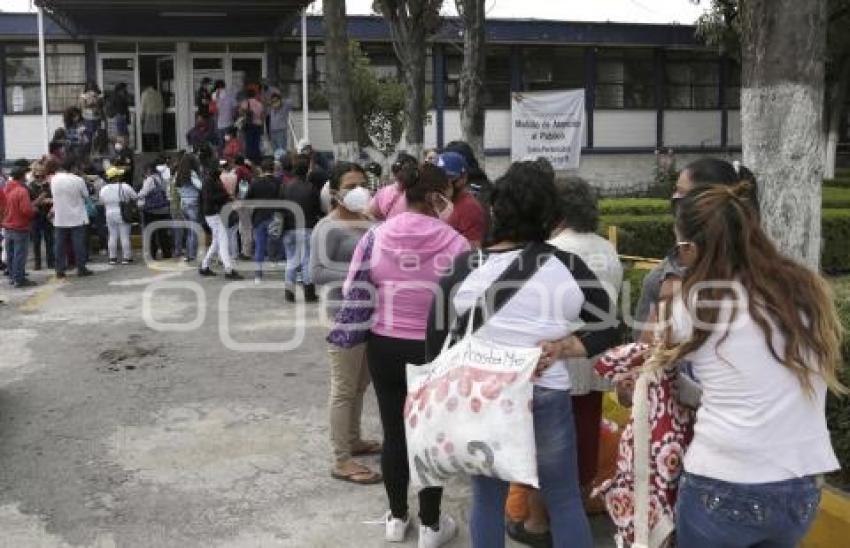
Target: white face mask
[118, 147]
[227, 137]
[356, 200]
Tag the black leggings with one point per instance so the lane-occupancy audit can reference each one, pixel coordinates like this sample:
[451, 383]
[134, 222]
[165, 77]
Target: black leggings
[388, 359]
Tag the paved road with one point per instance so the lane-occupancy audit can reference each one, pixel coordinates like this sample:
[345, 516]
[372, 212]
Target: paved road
[114, 434]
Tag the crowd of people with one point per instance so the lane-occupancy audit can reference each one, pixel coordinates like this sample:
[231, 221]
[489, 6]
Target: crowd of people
[755, 373]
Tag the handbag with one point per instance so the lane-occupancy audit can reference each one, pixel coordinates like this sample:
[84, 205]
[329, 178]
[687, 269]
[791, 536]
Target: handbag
[470, 410]
[91, 208]
[353, 320]
[129, 208]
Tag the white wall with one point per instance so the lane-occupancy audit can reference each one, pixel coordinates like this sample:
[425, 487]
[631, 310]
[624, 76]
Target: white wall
[694, 128]
[624, 128]
[23, 135]
[733, 135]
[320, 129]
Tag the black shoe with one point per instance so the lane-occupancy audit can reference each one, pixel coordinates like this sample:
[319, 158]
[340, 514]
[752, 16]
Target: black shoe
[60, 275]
[25, 283]
[516, 531]
[243, 257]
[84, 273]
[233, 275]
[310, 293]
[206, 272]
[113, 261]
[37, 267]
[289, 295]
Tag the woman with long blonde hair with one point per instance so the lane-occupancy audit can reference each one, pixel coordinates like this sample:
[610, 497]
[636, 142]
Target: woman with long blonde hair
[763, 337]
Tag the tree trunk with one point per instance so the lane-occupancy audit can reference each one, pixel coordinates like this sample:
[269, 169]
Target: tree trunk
[472, 113]
[340, 101]
[837, 97]
[783, 49]
[411, 22]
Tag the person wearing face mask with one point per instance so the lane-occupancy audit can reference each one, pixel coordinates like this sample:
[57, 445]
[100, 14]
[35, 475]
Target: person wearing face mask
[264, 187]
[332, 247]
[410, 252]
[467, 214]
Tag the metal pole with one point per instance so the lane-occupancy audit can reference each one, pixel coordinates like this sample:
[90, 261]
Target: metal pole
[43, 78]
[305, 88]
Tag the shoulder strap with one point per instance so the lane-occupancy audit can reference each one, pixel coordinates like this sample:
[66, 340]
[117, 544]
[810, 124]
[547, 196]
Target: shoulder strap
[506, 286]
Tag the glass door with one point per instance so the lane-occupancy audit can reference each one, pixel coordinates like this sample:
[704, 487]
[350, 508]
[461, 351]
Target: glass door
[246, 71]
[116, 70]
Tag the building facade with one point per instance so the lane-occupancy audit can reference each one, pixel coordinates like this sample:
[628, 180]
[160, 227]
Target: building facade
[648, 87]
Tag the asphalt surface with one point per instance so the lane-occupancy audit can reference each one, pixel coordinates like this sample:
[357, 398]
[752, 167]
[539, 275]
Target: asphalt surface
[117, 434]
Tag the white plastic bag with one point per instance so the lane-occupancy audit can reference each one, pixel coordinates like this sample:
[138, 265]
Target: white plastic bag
[469, 412]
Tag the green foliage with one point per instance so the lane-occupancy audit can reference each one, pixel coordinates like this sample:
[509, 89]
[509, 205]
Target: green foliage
[378, 103]
[836, 198]
[641, 235]
[634, 206]
[652, 236]
[838, 182]
[835, 256]
[838, 409]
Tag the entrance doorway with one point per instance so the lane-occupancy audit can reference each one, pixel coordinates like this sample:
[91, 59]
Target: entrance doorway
[157, 116]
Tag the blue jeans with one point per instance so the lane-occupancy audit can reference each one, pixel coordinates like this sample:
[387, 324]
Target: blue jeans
[78, 240]
[715, 514]
[17, 247]
[278, 139]
[296, 242]
[42, 230]
[253, 136]
[190, 213]
[557, 467]
[261, 240]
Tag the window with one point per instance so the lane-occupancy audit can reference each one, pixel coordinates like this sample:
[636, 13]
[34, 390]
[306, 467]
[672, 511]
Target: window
[733, 85]
[552, 68]
[625, 79]
[497, 78]
[496, 91]
[692, 81]
[289, 71]
[382, 60]
[66, 77]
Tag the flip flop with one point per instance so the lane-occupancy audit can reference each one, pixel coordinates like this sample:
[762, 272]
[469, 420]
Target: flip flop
[364, 477]
[368, 448]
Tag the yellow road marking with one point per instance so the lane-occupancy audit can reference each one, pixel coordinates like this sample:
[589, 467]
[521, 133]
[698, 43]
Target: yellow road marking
[40, 296]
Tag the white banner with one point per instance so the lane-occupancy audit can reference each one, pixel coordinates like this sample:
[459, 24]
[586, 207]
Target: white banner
[548, 124]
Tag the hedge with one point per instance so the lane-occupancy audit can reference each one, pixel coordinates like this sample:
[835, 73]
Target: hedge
[838, 182]
[833, 198]
[652, 236]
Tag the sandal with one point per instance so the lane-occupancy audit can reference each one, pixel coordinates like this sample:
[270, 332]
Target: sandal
[366, 447]
[361, 476]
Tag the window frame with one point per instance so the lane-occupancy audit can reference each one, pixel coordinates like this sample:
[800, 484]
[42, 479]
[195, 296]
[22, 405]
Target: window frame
[626, 57]
[693, 60]
[8, 85]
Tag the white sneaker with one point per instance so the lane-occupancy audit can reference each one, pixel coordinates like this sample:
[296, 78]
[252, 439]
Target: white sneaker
[428, 538]
[396, 529]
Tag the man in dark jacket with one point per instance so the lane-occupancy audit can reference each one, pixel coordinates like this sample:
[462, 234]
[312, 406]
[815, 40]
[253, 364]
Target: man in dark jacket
[264, 187]
[300, 219]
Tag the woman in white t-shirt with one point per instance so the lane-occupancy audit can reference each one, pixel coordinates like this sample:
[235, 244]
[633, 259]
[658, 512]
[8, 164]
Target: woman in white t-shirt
[763, 338]
[111, 195]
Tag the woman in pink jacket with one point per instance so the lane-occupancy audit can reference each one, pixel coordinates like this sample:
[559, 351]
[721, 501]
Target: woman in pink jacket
[410, 253]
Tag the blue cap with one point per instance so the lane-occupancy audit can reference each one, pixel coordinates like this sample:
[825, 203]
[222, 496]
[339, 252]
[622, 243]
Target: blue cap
[453, 164]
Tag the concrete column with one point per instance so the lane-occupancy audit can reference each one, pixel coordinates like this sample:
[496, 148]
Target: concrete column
[183, 92]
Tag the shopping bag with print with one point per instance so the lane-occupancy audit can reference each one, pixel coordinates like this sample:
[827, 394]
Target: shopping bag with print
[469, 412]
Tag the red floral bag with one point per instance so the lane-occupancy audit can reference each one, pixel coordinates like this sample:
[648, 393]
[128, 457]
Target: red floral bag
[641, 497]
